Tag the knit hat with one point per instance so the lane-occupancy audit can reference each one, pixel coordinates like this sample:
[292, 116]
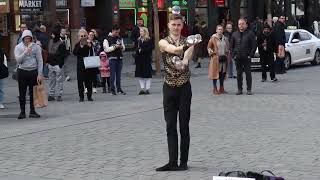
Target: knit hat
[103, 54]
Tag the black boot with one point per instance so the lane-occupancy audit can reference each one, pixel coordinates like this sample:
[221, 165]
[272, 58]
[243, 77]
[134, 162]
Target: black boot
[198, 66]
[168, 167]
[34, 114]
[22, 115]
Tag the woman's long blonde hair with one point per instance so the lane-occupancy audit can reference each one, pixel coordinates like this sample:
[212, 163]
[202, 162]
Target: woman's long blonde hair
[146, 33]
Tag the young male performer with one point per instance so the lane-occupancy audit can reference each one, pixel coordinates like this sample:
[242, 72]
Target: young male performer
[176, 93]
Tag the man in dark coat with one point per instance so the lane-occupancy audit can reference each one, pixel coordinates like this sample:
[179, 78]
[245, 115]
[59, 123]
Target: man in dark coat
[243, 47]
[266, 45]
[136, 32]
[280, 40]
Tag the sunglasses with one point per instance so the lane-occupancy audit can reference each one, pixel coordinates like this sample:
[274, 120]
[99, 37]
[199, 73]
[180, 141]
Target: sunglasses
[103, 56]
[83, 36]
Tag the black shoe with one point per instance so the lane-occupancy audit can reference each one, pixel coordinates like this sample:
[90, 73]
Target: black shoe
[113, 93]
[141, 92]
[234, 77]
[239, 93]
[168, 167]
[104, 90]
[51, 98]
[249, 93]
[22, 115]
[33, 114]
[263, 80]
[147, 92]
[121, 92]
[90, 99]
[81, 99]
[183, 167]
[59, 98]
[274, 80]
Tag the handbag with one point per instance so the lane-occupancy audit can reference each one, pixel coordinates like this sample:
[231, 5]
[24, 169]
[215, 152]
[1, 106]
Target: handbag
[262, 176]
[222, 59]
[40, 98]
[91, 62]
[281, 51]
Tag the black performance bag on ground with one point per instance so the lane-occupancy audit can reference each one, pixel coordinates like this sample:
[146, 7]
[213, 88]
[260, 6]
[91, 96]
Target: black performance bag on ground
[233, 174]
[262, 176]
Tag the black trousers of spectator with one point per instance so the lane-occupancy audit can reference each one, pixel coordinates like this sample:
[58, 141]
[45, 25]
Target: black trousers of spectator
[280, 66]
[177, 100]
[267, 59]
[26, 79]
[85, 78]
[104, 81]
[243, 65]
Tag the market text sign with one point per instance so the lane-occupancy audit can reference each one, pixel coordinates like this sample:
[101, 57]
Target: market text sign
[30, 6]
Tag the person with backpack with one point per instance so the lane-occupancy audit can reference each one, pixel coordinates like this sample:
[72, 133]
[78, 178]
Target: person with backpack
[57, 54]
[4, 74]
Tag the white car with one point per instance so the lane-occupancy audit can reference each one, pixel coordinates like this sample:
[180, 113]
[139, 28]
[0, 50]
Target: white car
[301, 47]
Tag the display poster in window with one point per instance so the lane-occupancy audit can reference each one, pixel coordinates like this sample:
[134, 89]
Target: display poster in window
[4, 6]
[88, 3]
[62, 3]
[30, 6]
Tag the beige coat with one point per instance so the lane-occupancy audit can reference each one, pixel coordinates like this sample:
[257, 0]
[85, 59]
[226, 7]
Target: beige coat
[214, 58]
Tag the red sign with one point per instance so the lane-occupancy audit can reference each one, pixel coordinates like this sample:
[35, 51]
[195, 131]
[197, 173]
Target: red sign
[219, 3]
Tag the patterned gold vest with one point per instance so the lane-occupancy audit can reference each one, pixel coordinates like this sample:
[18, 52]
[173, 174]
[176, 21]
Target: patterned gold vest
[174, 77]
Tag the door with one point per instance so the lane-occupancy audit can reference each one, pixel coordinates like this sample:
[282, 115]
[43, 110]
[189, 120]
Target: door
[296, 51]
[307, 47]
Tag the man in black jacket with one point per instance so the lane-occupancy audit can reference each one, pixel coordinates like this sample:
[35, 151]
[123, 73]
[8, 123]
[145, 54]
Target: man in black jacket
[266, 45]
[243, 47]
[280, 40]
[136, 32]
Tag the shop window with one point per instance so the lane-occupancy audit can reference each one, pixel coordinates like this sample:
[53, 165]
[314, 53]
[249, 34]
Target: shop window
[244, 3]
[63, 16]
[127, 23]
[201, 15]
[202, 3]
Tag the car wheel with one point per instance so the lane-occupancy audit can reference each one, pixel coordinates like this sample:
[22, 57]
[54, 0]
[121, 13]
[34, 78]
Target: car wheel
[316, 59]
[287, 61]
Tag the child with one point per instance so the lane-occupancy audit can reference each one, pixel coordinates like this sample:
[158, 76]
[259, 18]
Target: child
[104, 71]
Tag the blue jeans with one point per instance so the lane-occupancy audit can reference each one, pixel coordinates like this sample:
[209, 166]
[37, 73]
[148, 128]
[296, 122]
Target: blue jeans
[115, 73]
[1, 91]
[231, 68]
[45, 71]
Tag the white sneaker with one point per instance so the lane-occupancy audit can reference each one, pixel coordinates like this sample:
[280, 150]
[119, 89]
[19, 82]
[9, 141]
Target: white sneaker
[1, 106]
[85, 90]
[68, 78]
[94, 90]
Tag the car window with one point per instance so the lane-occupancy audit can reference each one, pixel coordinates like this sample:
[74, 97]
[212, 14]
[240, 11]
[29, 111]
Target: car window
[287, 36]
[296, 35]
[304, 36]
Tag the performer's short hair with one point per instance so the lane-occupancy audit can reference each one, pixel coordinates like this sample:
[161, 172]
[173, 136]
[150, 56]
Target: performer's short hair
[176, 17]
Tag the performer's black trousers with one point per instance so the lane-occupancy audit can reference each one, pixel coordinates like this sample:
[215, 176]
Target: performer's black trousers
[177, 99]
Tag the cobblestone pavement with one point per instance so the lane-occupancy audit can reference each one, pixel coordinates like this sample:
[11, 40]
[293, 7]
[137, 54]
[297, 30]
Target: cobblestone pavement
[124, 138]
